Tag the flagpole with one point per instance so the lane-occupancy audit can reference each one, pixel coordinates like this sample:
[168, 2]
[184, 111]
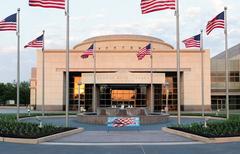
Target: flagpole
[226, 62]
[178, 63]
[18, 61]
[67, 63]
[151, 57]
[94, 85]
[202, 74]
[43, 77]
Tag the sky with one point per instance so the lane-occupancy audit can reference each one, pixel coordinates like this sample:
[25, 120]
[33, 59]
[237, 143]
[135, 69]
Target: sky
[89, 18]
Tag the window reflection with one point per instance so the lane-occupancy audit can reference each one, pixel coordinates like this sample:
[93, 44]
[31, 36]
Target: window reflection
[76, 87]
[123, 95]
[134, 95]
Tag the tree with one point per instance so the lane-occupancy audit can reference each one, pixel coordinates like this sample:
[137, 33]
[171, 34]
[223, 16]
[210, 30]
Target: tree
[8, 91]
[2, 93]
[25, 93]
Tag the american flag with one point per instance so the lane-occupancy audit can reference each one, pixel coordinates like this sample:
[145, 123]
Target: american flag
[122, 122]
[148, 6]
[194, 41]
[9, 23]
[217, 22]
[58, 4]
[88, 52]
[144, 51]
[37, 43]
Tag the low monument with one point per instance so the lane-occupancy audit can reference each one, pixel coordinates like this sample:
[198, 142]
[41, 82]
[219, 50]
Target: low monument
[103, 113]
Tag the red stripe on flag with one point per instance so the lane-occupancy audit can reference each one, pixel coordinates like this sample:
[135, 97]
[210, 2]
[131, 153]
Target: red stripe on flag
[213, 25]
[58, 4]
[216, 22]
[148, 6]
[8, 26]
[191, 43]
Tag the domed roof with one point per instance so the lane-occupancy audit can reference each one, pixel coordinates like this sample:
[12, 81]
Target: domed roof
[123, 42]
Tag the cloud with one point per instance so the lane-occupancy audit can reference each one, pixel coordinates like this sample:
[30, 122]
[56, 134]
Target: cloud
[100, 15]
[86, 18]
[153, 27]
[193, 12]
[217, 5]
[78, 18]
[8, 50]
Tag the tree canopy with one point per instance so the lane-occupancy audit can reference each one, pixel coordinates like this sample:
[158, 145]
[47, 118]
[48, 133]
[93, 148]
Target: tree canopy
[8, 91]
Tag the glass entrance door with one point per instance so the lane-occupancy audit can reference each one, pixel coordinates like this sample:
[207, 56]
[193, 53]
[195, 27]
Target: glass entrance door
[129, 95]
[220, 104]
[123, 97]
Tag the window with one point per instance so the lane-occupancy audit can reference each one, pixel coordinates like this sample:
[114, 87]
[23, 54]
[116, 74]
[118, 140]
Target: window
[85, 93]
[234, 76]
[171, 78]
[123, 94]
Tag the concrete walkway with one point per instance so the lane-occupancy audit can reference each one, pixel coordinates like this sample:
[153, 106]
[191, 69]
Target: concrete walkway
[122, 137]
[228, 148]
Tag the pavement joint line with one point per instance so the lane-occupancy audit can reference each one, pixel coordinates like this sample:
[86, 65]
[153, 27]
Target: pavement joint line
[119, 144]
[142, 149]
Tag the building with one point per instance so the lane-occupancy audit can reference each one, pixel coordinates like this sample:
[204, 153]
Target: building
[120, 77]
[218, 77]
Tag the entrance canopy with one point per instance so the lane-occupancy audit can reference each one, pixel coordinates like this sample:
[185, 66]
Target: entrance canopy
[123, 77]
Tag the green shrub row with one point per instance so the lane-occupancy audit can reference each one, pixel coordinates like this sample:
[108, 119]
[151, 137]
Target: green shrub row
[9, 127]
[24, 115]
[227, 128]
[7, 117]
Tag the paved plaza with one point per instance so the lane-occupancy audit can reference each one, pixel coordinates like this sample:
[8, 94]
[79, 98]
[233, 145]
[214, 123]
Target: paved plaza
[100, 133]
[95, 139]
[122, 137]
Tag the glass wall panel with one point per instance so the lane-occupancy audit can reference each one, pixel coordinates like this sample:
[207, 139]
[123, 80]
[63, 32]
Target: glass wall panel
[218, 102]
[171, 78]
[116, 95]
[85, 93]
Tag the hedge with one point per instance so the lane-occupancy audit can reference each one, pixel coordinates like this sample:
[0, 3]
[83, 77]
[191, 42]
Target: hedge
[10, 127]
[214, 129]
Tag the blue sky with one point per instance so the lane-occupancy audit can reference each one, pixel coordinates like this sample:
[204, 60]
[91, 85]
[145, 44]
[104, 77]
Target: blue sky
[100, 17]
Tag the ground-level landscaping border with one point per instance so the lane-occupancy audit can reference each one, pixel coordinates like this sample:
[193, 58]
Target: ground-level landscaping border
[201, 138]
[42, 139]
[200, 117]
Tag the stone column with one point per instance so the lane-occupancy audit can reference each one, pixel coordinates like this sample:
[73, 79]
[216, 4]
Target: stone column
[94, 105]
[150, 105]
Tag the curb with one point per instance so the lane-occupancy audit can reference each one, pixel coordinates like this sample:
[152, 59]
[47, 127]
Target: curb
[200, 117]
[201, 138]
[42, 139]
[119, 143]
[46, 117]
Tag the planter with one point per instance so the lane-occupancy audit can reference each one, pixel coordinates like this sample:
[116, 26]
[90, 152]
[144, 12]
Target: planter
[42, 139]
[201, 138]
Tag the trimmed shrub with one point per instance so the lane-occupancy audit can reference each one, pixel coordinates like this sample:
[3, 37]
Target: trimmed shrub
[9, 127]
[227, 128]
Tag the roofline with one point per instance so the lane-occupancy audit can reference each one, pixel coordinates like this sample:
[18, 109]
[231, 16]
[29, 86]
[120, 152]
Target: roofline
[104, 38]
[126, 51]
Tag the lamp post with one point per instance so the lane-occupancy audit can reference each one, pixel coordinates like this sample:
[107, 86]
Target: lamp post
[167, 93]
[79, 95]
